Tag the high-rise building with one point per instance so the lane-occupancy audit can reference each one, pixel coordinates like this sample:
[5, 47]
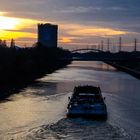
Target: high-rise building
[47, 34]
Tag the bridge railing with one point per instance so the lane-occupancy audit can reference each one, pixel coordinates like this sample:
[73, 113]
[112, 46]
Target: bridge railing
[86, 49]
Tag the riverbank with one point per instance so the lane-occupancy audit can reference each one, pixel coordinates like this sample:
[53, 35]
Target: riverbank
[20, 67]
[127, 69]
[22, 81]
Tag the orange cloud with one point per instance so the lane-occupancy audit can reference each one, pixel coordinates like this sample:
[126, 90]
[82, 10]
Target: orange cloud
[96, 31]
[14, 34]
[65, 40]
[82, 30]
[10, 26]
[71, 32]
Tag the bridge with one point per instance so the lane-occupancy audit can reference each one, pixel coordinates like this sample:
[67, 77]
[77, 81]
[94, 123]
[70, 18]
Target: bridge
[91, 54]
[86, 50]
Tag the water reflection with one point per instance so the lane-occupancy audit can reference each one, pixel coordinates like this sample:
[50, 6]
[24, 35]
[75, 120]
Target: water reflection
[34, 104]
[44, 103]
[97, 66]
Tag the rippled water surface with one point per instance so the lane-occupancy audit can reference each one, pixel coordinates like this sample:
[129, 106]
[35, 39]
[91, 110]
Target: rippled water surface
[39, 111]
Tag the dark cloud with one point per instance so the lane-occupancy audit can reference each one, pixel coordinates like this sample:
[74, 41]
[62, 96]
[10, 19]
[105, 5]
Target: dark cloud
[114, 13]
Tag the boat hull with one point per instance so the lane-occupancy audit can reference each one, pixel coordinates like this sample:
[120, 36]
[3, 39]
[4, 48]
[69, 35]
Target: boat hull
[87, 114]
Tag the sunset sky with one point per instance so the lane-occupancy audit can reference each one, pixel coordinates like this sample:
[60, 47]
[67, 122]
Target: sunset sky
[81, 22]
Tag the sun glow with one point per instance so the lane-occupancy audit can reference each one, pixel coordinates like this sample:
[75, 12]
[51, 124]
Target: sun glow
[7, 23]
[22, 29]
[16, 28]
[15, 34]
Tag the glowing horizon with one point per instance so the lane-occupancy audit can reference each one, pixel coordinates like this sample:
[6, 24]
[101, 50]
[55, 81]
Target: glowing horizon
[11, 27]
[80, 22]
[7, 23]
[19, 29]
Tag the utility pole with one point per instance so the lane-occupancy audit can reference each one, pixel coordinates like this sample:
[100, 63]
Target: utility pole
[102, 45]
[108, 44]
[12, 43]
[135, 44]
[120, 44]
[98, 46]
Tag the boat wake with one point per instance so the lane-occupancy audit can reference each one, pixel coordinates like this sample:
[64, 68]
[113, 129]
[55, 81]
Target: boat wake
[77, 129]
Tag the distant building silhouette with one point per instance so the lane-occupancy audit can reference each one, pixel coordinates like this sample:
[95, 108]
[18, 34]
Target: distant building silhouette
[4, 43]
[47, 35]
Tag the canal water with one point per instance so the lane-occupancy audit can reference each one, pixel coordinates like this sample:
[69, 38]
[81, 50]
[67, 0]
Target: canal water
[39, 111]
